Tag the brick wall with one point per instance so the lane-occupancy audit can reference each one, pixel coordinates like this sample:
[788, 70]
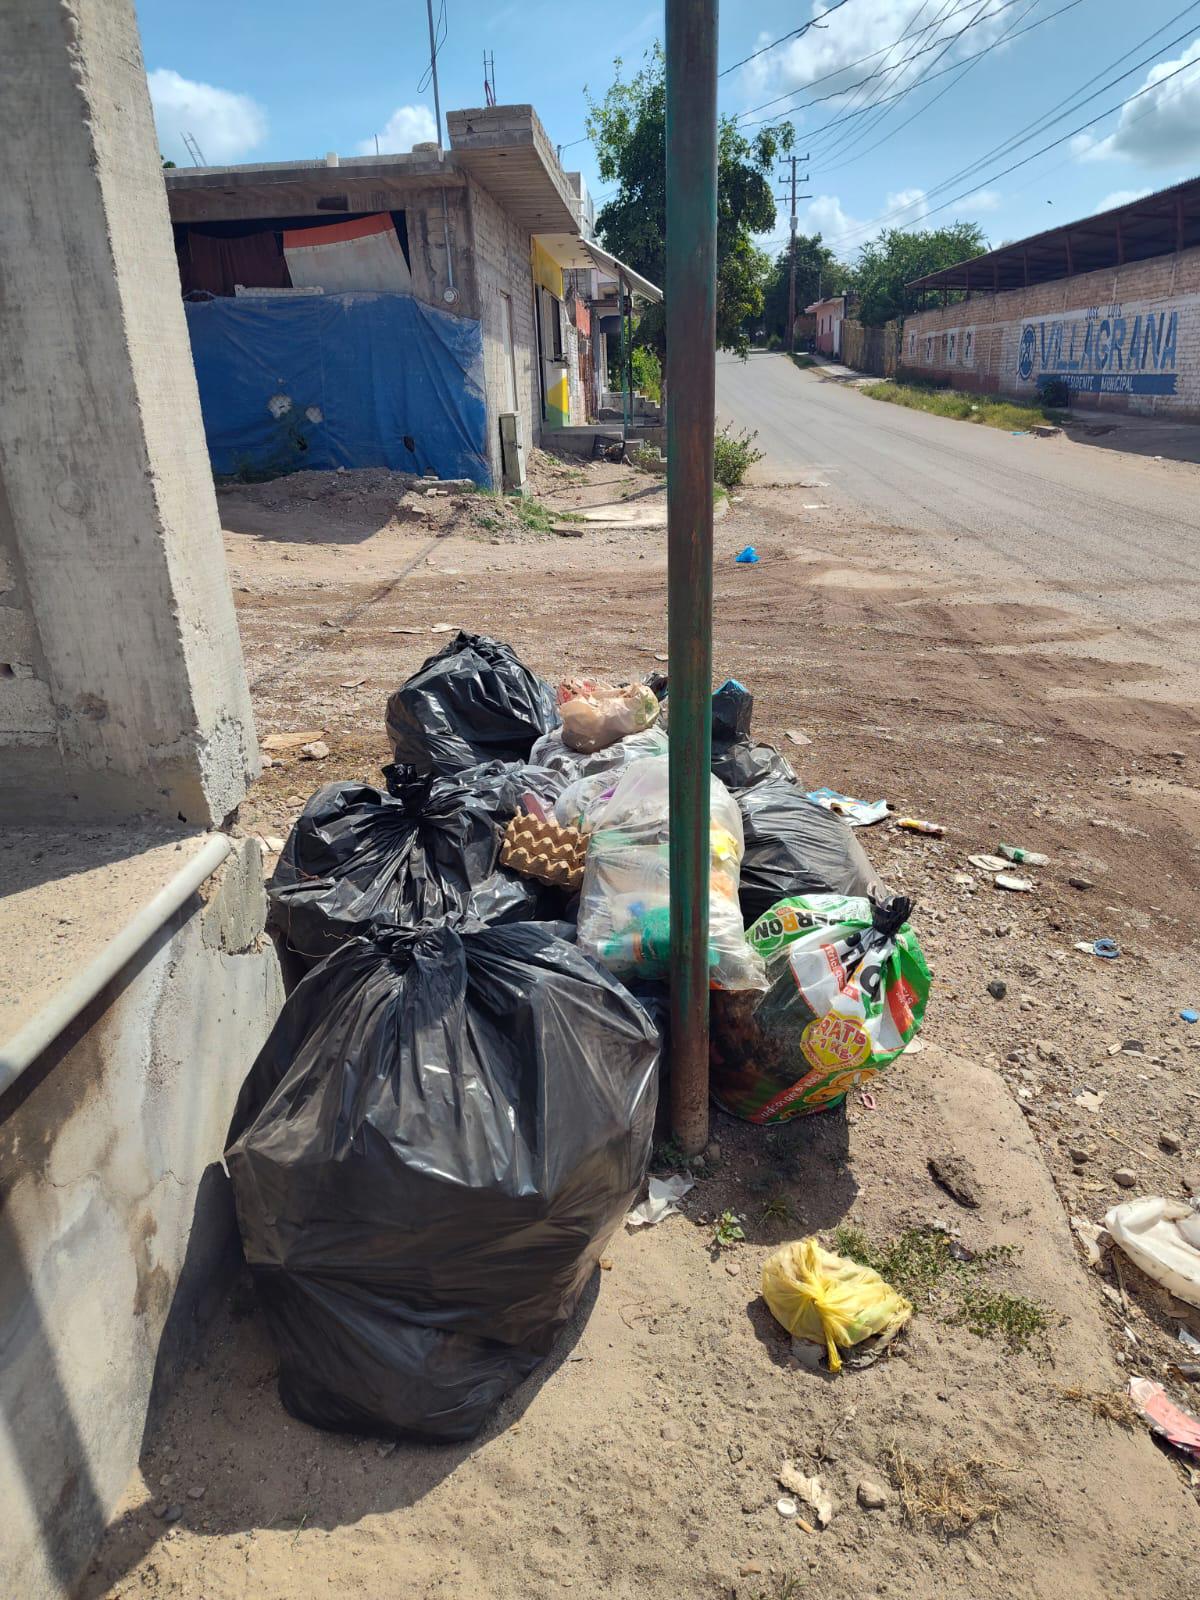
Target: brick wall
[502, 266]
[1124, 339]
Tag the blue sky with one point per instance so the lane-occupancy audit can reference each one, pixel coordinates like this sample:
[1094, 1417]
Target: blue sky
[272, 80]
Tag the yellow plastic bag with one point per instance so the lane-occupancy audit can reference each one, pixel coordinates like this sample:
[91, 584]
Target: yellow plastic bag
[826, 1298]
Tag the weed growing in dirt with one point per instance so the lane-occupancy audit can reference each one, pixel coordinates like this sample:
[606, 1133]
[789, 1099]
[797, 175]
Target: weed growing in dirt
[959, 406]
[536, 517]
[727, 1230]
[779, 1209]
[668, 1154]
[803, 360]
[948, 1496]
[1105, 1406]
[733, 456]
[789, 1589]
[929, 1267]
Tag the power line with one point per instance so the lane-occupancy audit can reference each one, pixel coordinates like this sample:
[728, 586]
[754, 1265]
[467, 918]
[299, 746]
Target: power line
[979, 54]
[1075, 102]
[1025, 160]
[962, 68]
[884, 50]
[816, 22]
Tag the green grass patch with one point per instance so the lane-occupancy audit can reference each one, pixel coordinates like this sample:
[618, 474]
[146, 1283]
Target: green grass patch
[928, 1268]
[803, 360]
[961, 407]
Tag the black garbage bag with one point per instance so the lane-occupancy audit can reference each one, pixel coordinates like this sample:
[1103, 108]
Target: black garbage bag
[427, 1156]
[737, 759]
[794, 846]
[428, 851]
[472, 702]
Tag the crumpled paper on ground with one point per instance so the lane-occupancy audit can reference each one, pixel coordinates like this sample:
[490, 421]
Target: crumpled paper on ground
[660, 1202]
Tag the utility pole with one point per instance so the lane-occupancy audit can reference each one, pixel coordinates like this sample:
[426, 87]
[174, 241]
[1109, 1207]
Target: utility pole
[691, 308]
[437, 99]
[792, 251]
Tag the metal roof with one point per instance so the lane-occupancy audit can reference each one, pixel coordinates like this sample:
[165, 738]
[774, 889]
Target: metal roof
[570, 250]
[1154, 225]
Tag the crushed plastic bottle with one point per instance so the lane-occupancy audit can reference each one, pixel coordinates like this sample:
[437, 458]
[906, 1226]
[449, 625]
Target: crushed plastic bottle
[1028, 858]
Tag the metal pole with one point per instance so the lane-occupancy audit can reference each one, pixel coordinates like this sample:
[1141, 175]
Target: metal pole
[792, 272]
[437, 100]
[691, 309]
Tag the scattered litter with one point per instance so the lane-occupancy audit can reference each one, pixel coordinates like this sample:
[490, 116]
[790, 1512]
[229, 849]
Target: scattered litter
[1029, 858]
[858, 813]
[406, 630]
[867, 1100]
[847, 986]
[660, 1201]
[1162, 1237]
[661, 655]
[918, 825]
[952, 1173]
[1189, 1339]
[1106, 949]
[1189, 1015]
[810, 1490]
[913, 1047]
[828, 1299]
[786, 1506]
[747, 557]
[1171, 1422]
[442, 627]
[352, 683]
[543, 849]
[1089, 1099]
[797, 737]
[985, 863]
[318, 750]
[1005, 880]
[290, 741]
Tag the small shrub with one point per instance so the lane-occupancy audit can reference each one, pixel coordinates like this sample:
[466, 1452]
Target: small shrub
[733, 456]
[774, 342]
[728, 1230]
[647, 374]
[1054, 392]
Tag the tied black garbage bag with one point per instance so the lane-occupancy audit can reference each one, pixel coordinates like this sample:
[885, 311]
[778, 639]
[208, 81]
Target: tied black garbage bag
[428, 1156]
[426, 852]
[471, 703]
[794, 846]
[739, 761]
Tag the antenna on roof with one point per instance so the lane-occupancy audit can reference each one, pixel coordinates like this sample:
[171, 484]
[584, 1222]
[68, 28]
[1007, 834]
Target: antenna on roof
[435, 44]
[194, 150]
[489, 78]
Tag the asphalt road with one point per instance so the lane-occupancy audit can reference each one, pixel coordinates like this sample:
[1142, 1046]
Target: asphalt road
[1115, 536]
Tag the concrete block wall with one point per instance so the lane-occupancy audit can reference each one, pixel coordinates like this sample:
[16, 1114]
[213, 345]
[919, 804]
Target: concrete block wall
[427, 226]
[117, 1232]
[977, 343]
[501, 253]
[26, 702]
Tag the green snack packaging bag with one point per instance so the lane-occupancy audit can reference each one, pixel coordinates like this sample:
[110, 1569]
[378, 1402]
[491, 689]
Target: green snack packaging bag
[847, 986]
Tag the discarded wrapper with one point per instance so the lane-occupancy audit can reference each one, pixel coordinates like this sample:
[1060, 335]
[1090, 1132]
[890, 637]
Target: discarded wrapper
[1171, 1422]
[660, 1201]
[858, 813]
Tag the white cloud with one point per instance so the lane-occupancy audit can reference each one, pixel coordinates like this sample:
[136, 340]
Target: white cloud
[225, 125]
[911, 201]
[1160, 127]
[853, 32]
[1120, 197]
[982, 200]
[407, 126]
[838, 229]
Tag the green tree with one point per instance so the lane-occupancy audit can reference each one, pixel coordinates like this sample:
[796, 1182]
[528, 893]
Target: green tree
[628, 129]
[818, 272]
[888, 264]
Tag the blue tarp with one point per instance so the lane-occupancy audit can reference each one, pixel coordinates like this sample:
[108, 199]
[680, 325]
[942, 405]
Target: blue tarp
[340, 380]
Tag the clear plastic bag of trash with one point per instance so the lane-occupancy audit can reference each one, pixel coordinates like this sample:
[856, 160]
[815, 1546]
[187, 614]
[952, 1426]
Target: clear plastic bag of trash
[472, 702]
[828, 1299]
[596, 715]
[429, 850]
[428, 1155]
[847, 990]
[552, 754]
[625, 902]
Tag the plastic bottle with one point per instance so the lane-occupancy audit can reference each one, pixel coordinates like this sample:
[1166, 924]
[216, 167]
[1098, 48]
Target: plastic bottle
[1029, 858]
[919, 825]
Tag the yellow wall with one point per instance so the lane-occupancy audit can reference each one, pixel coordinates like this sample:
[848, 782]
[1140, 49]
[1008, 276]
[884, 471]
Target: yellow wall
[546, 270]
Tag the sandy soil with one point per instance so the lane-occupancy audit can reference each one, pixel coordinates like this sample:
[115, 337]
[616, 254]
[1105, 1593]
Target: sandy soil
[643, 1458]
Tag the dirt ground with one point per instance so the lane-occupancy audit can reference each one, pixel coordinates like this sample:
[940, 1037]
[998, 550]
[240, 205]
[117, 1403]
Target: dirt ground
[643, 1458]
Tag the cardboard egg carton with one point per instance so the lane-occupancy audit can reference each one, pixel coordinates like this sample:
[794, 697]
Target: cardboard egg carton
[544, 850]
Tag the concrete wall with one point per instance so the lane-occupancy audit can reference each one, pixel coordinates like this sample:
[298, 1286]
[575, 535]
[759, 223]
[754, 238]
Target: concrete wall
[116, 1227]
[1124, 339]
[502, 265]
[124, 686]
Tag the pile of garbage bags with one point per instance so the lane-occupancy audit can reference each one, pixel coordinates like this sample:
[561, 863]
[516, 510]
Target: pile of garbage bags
[455, 1107]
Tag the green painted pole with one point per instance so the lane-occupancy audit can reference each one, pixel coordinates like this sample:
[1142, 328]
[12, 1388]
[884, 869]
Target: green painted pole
[691, 310]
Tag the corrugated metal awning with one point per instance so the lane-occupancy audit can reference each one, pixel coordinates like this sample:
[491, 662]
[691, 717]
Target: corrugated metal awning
[571, 251]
